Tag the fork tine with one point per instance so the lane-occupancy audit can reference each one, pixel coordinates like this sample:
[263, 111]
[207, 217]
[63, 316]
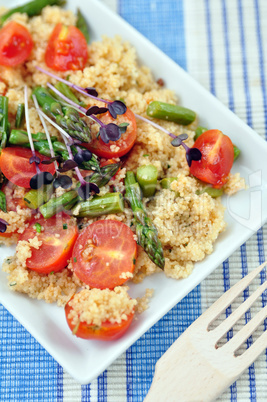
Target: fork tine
[240, 337]
[227, 298]
[253, 352]
[218, 332]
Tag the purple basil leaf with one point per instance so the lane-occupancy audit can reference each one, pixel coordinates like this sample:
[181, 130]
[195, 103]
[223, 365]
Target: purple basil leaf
[87, 155]
[63, 181]
[57, 158]
[40, 179]
[68, 165]
[34, 159]
[117, 107]
[123, 127]
[85, 190]
[91, 91]
[96, 110]
[176, 142]
[110, 132]
[183, 137]
[3, 225]
[193, 154]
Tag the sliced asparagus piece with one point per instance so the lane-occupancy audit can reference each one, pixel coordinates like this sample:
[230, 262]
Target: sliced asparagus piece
[167, 111]
[3, 201]
[58, 204]
[199, 130]
[167, 181]
[20, 115]
[110, 203]
[147, 176]
[34, 198]
[213, 192]
[4, 125]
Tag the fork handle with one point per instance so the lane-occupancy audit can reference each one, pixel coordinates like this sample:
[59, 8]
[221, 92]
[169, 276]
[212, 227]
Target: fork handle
[183, 374]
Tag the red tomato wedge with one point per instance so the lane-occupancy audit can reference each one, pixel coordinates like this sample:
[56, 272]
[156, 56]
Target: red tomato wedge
[57, 243]
[217, 158]
[15, 44]
[123, 145]
[15, 165]
[66, 49]
[103, 252]
[106, 332]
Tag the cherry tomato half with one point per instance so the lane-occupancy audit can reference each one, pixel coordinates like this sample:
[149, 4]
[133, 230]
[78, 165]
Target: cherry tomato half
[106, 332]
[123, 145]
[217, 158]
[15, 165]
[15, 44]
[103, 252]
[66, 49]
[58, 237]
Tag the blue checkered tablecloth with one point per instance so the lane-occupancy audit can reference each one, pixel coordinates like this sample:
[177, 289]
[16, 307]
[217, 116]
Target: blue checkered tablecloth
[223, 45]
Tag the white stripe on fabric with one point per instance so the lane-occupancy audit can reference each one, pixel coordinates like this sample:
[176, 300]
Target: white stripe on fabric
[196, 41]
[94, 391]
[71, 389]
[117, 381]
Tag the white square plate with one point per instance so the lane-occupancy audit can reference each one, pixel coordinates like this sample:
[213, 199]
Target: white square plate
[85, 360]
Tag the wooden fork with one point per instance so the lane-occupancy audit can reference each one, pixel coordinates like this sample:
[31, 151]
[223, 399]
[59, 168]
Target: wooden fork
[194, 368]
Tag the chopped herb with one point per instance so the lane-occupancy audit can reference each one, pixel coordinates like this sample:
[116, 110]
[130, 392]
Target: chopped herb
[134, 261]
[52, 272]
[145, 155]
[65, 226]
[74, 259]
[13, 284]
[38, 227]
[168, 166]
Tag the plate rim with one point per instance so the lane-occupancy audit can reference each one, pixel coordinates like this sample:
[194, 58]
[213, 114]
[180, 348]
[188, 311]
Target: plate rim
[129, 341]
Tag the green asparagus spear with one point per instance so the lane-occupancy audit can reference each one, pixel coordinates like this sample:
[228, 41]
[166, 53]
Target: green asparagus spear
[106, 173]
[65, 116]
[32, 8]
[19, 137]
[4, 125]
[58, 204]
[2, 201]
[146, 231]
[166, 111]
[110, 203]
[66, 90]
[199, 130]
[34, 198]
[236, 152]
[213, 192]
[147, 176]
[20, 116]
[167, 181]
[81, 24]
